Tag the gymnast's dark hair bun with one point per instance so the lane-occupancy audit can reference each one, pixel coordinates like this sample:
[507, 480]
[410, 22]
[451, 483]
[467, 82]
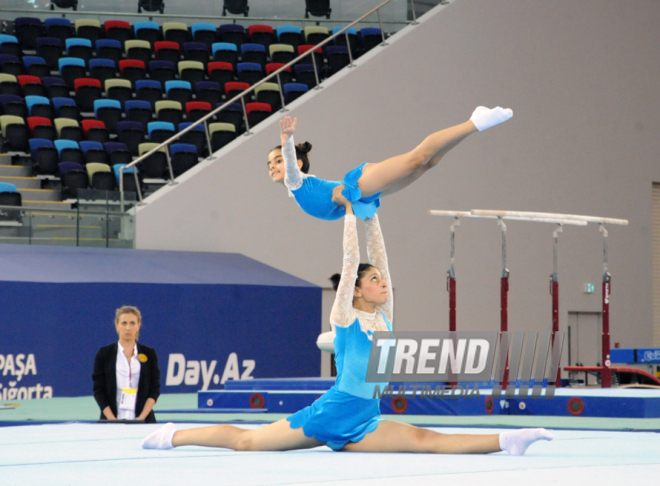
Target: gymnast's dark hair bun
[362, 267]
[304, 148]
[335, 280]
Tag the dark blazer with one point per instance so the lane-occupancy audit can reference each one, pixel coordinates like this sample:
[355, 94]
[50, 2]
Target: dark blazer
[105, 379]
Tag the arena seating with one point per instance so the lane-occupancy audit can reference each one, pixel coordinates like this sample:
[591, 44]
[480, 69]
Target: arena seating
[87, 92]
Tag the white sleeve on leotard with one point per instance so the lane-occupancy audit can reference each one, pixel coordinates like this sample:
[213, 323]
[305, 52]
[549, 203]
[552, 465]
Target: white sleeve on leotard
[378, 258]
[342, 313]
[293, 178]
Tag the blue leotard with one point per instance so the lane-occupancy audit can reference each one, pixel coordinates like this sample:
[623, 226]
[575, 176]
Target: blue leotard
[349, 411]
[314, 195]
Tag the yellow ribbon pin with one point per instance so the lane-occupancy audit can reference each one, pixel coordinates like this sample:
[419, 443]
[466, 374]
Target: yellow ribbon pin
[142, 358]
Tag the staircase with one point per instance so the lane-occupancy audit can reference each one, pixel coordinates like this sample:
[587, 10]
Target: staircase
[44, 219]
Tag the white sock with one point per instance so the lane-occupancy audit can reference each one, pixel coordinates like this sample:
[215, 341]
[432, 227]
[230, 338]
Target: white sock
[484, 117]
[516, 442]
[161, 439]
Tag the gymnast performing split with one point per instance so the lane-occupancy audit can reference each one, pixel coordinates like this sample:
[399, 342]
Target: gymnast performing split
[347, 417]
[362, 186]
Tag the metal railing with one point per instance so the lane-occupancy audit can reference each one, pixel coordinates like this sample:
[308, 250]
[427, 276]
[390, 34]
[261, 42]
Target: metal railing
[156, 16]
[274, 74]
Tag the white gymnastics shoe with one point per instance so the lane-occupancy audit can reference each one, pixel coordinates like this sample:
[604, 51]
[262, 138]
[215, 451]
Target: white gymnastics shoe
[161, 439]
[484, 117]
[516, 442]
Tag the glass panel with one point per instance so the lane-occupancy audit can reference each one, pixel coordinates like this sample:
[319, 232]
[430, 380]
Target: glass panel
[275, 12]
[14, 226]
[55, 228]
[96, 223]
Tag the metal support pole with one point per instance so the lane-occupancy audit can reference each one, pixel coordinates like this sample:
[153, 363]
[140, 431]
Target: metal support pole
[208, 140]
[137, 186]
[247, 125]
[316, 72]
[279, 83]
[504, 289]
[606, 373]
[412, 7]
[169, 166]
[382, 32]
[121, 188]
[350, 52]
[554, 291]
[451, 277]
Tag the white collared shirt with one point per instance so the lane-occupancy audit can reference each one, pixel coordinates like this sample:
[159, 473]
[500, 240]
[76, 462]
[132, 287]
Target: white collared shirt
[122, 375]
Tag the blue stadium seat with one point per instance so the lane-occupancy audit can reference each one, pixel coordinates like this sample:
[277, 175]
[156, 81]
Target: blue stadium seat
[93, 152]
[208, 91]
[160, 131]
[139, 111]
[131, 133]
[11, 64]
[50, 48]
[55, 86]
[36, 66]
[250, 72]
[69, 151]
[27, 29]
[118, 153]
[14, 105]
[161, 71]
[340, 40]
[147, 30]
[80, 48]
[71, 68]
[202, 32]
[66, 108]
[9, 45]
[102, 69]
[109, 112]
[39, 106]
[148, 90]
[109, 49]
[177, 90]
[183, 157]
[196, 51]
[289, 34]
[254, 53]
[232, 33]
[59, 28]
[225, 52]
[45, 156]
[293, 90]
[196, 137]
[7, 187]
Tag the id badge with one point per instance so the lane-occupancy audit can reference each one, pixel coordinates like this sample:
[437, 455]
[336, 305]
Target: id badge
[128, 398]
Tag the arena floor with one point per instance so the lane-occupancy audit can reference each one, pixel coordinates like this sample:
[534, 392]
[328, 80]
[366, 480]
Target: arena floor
[57, 452]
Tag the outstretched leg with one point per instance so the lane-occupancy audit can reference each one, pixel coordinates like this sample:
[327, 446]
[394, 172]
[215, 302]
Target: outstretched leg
[278, 436]
[393, 436]
[397, 172]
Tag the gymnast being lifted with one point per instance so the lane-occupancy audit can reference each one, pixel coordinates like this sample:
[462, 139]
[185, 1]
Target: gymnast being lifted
[347, 417]
[362, 186]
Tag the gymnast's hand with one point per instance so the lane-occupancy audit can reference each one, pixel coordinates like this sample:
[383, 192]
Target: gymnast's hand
[287, 127]
[340, 200]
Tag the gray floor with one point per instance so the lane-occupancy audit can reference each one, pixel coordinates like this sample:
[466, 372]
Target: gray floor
[75, 453]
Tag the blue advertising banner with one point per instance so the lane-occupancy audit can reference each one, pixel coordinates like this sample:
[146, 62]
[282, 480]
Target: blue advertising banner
[211, 318]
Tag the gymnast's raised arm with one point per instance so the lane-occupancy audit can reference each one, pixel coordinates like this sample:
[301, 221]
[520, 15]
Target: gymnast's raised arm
[293, 178]
[378, 258]
[342, 309]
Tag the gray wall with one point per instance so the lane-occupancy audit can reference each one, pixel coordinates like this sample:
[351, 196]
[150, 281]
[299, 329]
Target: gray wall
[582, 78]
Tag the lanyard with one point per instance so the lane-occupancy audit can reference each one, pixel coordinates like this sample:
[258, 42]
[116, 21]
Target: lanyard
[130, 369]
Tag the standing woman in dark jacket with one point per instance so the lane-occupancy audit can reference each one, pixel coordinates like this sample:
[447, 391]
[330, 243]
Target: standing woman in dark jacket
[126, 374]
